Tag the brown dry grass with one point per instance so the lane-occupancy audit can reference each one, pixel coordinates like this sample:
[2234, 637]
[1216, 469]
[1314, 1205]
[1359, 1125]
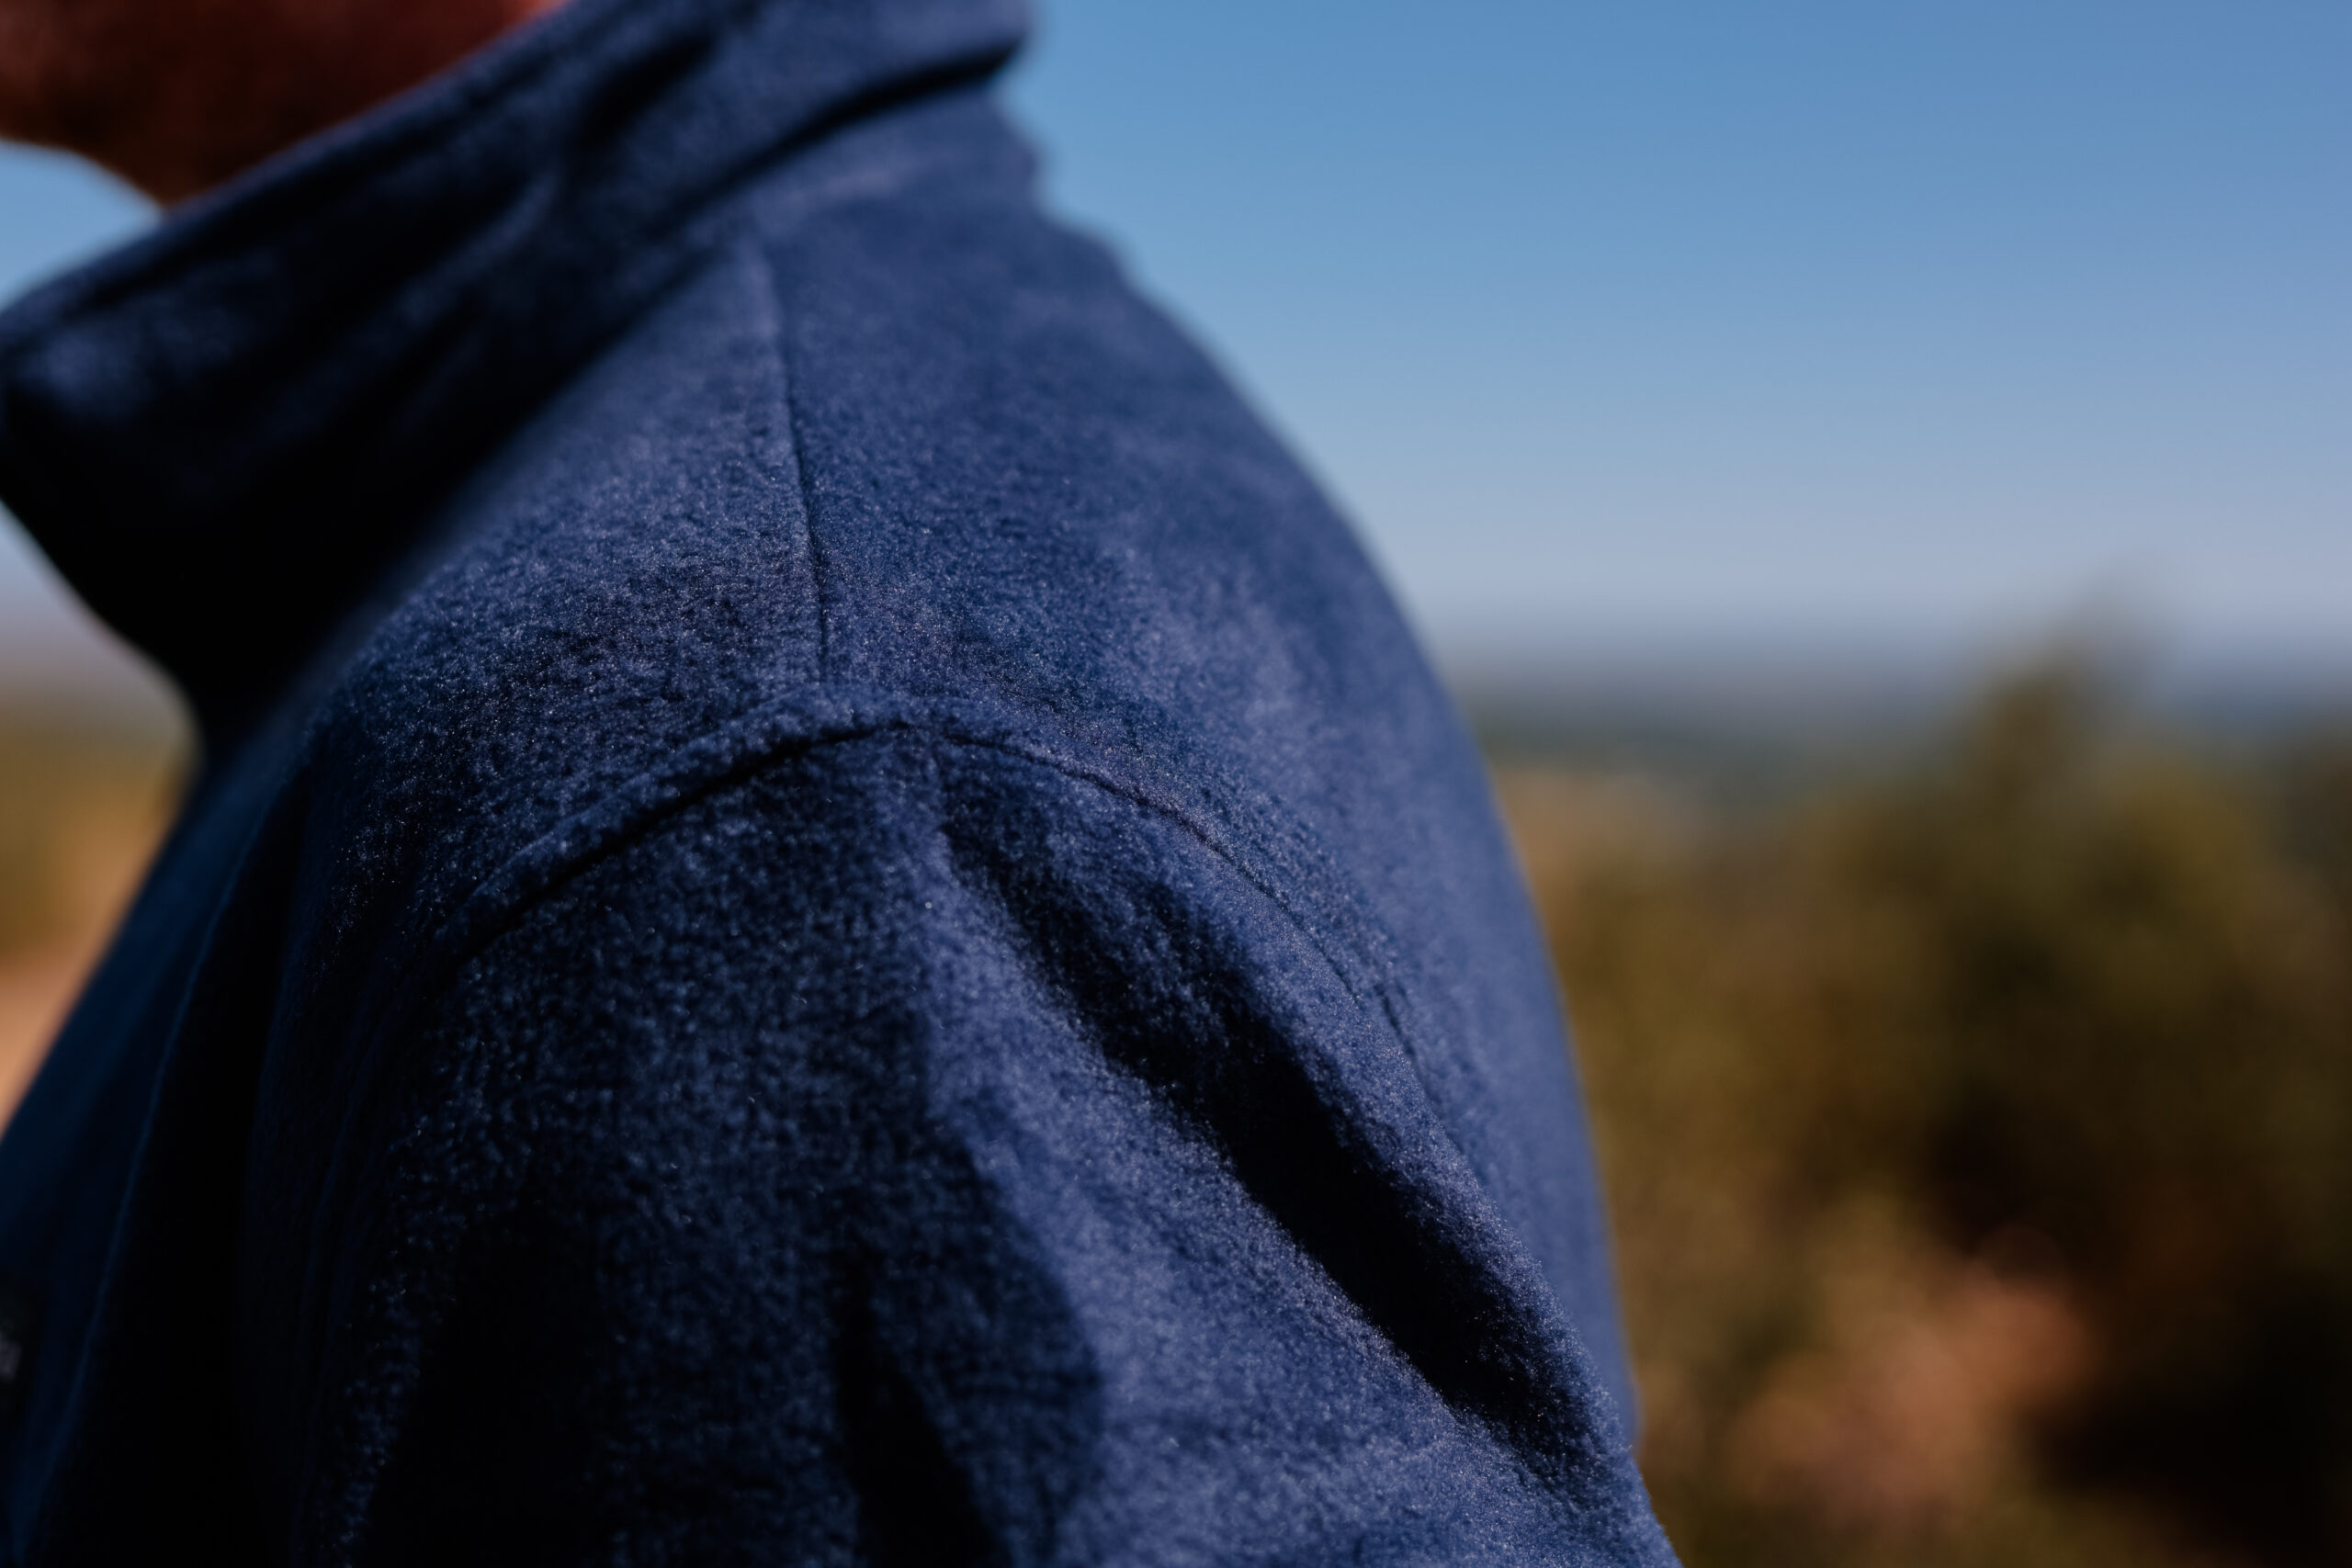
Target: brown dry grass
[82, 808]
[1979, 1143]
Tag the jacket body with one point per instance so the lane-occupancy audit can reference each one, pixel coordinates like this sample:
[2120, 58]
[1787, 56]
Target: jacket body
[827, 916]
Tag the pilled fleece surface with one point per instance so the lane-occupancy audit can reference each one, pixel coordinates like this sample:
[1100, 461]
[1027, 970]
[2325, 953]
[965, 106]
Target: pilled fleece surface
[826, 918]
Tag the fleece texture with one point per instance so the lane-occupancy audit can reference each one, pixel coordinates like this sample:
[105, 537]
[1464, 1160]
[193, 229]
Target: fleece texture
[827, 919]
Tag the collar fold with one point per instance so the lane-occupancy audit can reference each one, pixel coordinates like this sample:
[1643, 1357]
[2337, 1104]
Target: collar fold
[221, 432]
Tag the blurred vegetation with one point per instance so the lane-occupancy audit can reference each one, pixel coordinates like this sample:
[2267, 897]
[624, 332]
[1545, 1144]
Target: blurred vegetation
[84, 801]
[1979, 1139]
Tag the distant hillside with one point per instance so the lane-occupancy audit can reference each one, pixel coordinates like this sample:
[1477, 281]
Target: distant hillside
[1758, 723]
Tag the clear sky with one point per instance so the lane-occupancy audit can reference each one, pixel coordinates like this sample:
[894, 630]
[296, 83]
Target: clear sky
[1712, 323]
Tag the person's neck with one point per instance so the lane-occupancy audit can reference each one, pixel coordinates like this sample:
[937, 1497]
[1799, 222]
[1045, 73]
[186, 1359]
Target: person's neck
[178, 99]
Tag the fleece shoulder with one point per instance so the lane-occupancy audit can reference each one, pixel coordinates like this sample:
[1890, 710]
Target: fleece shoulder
[870, 1118]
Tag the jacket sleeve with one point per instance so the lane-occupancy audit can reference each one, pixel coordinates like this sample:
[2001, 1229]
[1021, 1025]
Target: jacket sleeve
[912, 1153]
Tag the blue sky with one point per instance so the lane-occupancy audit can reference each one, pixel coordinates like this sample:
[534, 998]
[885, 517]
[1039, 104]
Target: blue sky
[53, 212]
[1689, 322]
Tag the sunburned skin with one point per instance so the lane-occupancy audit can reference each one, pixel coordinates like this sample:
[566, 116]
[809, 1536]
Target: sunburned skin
[178, 95]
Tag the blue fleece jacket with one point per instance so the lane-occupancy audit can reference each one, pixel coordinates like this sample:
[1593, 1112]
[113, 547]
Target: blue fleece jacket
[826, 918]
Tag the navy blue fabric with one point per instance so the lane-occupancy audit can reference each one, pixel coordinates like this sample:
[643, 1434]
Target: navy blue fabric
[828, 917]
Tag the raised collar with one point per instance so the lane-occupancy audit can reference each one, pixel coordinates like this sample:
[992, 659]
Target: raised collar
[221, 433]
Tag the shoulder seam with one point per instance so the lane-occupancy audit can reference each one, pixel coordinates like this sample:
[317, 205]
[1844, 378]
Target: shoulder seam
[793, 727]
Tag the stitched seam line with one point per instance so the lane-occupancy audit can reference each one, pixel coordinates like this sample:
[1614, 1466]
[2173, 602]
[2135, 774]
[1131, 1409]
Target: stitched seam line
[740, 752]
